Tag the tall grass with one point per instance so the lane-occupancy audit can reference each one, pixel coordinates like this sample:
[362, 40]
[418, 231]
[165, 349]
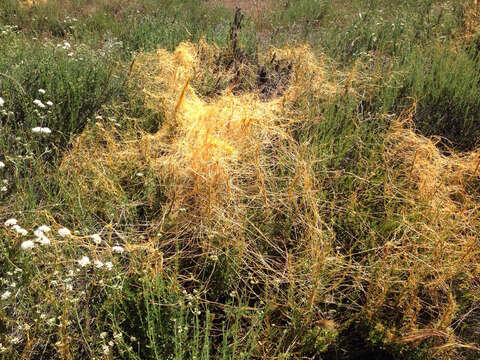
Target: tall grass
[446, 99]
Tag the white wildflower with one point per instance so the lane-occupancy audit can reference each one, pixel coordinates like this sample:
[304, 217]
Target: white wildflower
[41, 130]
[2, 164]
[39, 103]
[64, 232]
[38, 233]
[139, 174]
[15, 340]
[43, 240]
[109, 265]
[66, 45]
[118, 249]
[20, 230]
[96, 239]
[41, 91]
[5, 181]
[84, 261]
[2, 102]
[106, 349]
[6, 295]
[70, 54]
[98, 264]
[49, 103]
[103, 335]
[44, 228]
[27, 245]
[3, 189]
[11, 222]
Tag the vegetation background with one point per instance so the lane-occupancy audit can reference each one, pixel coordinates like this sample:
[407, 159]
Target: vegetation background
[298, 180]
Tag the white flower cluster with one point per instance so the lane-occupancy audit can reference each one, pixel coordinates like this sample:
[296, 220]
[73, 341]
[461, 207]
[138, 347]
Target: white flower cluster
[69, 19]
[41, 238]
[85, 261]
[65, 46]
[3, 188]
[27, 245]
[41, 130]
[6, 295]
[8, 29]
[12, 223]
[20, 230]
[39, 103]
[118, 249]
[96, 239]
[39, 233]
[64, 232]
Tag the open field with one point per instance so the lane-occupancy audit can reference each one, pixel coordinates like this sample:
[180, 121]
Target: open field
[295, 180]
